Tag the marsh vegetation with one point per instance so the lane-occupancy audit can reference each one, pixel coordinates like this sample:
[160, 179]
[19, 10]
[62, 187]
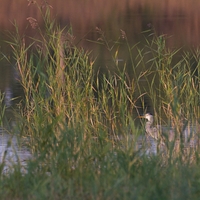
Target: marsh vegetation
[80, 124]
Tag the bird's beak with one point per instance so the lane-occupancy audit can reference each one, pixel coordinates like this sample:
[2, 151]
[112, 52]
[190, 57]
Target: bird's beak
[141, 117]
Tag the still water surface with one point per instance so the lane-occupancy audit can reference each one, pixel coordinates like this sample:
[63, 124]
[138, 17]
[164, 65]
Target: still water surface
[11, 153]
[179, 19]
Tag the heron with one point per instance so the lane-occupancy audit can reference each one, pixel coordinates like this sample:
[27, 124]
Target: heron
[153, 131]
[150, 130]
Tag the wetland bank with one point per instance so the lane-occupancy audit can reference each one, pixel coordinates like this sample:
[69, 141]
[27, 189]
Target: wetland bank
[71, 120]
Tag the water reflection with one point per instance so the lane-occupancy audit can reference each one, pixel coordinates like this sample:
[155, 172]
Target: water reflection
[8, 97]
[181, 20]
[11, 153]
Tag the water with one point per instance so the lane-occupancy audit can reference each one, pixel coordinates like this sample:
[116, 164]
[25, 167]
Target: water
[178, 19]
[11, 153]
[149, 146]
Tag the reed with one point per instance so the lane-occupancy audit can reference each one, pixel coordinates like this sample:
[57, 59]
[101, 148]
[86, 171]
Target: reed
[80, 127]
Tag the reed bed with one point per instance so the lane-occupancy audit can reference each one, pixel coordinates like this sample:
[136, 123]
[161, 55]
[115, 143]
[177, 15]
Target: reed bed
[80, 127]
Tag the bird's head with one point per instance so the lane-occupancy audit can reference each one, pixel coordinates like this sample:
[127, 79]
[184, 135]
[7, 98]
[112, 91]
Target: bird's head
[148, 116]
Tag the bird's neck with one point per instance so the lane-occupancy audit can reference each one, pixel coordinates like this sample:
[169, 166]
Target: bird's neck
[148, 124]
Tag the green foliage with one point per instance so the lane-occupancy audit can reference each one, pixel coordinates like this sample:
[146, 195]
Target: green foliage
[80, 127]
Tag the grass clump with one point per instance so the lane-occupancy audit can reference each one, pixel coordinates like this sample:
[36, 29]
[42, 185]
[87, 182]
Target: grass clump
[80, 128]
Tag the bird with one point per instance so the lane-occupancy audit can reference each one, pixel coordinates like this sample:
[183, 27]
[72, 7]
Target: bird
[156, 132]
[168, 135]
[150, 130]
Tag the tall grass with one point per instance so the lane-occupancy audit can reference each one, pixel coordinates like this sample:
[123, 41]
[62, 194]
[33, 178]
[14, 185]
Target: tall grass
[80, 128]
